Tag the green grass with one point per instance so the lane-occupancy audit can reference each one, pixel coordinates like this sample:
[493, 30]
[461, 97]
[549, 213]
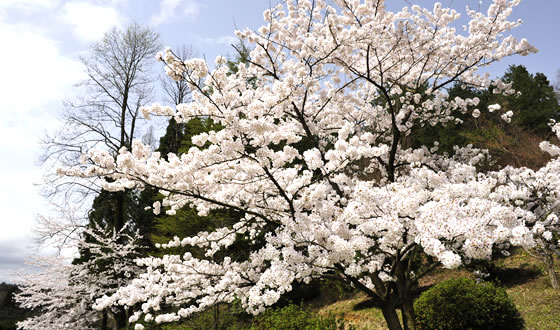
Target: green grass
[362, 318]
[538, 304]
[535, 299]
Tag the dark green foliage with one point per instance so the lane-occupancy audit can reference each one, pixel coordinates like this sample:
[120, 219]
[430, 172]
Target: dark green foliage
[178, 136]
[143, 219]
[242, 56]
[161, 229]
[111, 210]
[464, 304]
[451, 134]
[186, 222]
[293, 317]
[448, 136]
[103, 210]
[221, 316]
[301, 292]
[10, 313]
[171, 141]
[537, 103]
[194, 127]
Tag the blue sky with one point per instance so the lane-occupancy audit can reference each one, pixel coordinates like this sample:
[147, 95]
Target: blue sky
[42, 40]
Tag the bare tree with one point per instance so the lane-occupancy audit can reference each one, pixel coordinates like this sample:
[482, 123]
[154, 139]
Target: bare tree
[177, 91]
[150, 138]
[106, 116]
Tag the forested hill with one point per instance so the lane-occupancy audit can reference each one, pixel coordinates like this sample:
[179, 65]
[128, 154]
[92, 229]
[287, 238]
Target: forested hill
[512, 128]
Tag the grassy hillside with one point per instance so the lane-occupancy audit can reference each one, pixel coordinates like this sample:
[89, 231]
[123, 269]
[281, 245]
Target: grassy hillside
[524, 278]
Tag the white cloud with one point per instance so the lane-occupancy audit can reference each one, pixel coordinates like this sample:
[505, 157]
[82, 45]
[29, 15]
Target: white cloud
[90, 21]
[169, 9]
[34, 71]
[19, 212]
[29, 5]
[36, 75]
[14, 251]
[166, 11]
[220, 40]
[114, 3]
[192, 10]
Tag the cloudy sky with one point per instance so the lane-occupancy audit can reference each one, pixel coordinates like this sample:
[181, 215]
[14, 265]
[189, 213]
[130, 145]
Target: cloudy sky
[43, 39]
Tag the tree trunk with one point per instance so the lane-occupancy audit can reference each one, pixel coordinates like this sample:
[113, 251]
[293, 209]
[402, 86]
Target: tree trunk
[407, 311]
[120, 211]
[104, 320]
[552, 272]
[403, 285]
[121, 318]
[391, 317]
[216, 316]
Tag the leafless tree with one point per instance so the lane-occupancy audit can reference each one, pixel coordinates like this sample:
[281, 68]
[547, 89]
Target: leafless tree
[106, 115]
[177, 91]
[150, 137]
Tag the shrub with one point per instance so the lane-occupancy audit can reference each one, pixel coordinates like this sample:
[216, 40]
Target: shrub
[293, 317]
[464, 304]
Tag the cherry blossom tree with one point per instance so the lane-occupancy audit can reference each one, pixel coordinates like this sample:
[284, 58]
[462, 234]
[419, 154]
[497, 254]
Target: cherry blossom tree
[63, 293]
[62, 303]
[313, 153]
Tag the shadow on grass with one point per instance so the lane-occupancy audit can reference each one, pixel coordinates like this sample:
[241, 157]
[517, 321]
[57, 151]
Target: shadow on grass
[510, 277]
[372, 303]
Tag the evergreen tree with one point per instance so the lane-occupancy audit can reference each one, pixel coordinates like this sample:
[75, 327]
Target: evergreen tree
[536, 104]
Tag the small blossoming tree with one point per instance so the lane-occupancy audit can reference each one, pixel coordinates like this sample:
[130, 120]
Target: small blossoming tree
[313, 154]
[62, 294]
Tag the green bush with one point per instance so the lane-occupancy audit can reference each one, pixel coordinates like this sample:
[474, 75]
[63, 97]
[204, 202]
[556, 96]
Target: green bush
[8, 324]
[293, 317]
[464, 304]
